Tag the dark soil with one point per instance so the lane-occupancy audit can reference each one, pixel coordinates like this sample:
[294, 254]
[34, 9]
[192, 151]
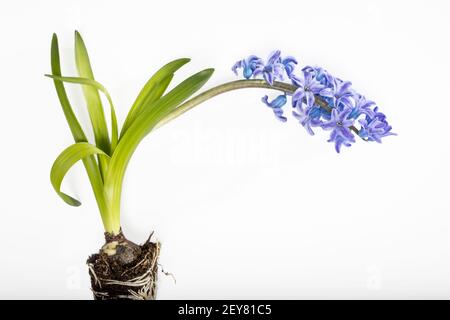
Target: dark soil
[130, 273]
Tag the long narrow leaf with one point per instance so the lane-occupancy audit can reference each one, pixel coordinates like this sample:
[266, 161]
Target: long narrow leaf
[141, 127]
[74, 125]
[89, 162]
[98, 86]
[153, 90]
[65, 161]
[93, 101]
[156, 93]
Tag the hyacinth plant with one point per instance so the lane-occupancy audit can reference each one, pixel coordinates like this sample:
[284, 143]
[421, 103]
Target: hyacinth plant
[126, 270]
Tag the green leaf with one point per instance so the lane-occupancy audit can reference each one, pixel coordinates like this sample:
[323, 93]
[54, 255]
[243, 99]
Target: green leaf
[90, 163]
[66, 160]
[143, 124]
[98, 86]
[74, 125]
[153, 90]
[93, 101]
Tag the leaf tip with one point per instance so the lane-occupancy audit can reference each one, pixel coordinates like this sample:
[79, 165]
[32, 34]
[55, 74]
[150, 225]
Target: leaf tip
[181, 62]
[209, 71]
[54, 41]
[76, 203]
[78, 38]
[69, 200]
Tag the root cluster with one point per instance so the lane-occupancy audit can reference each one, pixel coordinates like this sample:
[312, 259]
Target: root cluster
[112, 278]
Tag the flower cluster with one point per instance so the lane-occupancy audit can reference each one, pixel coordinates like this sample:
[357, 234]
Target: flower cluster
[319, 100]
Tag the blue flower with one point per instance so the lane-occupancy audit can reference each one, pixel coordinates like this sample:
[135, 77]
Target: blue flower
[373, 129]
[319, 100]
[308, 117]
[272, 70]
[339, 125]
[308, 86]
[248, 65]
[289, 64]
[341, 92]
[362, 106]
[320, 74]
[339, 141]
[276, 106]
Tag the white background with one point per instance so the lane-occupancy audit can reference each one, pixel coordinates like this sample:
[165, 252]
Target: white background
[245, 206]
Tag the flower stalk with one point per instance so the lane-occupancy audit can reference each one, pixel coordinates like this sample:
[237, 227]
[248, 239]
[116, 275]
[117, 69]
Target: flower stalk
[287, 88]
[223, 88]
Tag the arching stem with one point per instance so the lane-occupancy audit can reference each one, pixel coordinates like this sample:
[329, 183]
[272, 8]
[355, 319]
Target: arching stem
[287, 88]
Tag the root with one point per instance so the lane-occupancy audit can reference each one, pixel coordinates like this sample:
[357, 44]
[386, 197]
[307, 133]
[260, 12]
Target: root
[167, 273]
[141, 287]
